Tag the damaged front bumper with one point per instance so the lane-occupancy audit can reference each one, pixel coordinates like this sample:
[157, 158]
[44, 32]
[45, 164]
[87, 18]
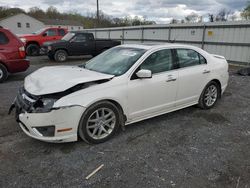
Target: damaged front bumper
[57, 125]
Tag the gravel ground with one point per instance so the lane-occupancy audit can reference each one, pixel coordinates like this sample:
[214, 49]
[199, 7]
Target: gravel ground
[186, 148]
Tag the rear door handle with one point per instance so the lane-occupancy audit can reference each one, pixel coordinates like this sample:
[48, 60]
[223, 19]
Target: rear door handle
[171, 78]
[206, 71]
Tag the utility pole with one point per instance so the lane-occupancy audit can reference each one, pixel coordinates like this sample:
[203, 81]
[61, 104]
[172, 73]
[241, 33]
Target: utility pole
[97, 13]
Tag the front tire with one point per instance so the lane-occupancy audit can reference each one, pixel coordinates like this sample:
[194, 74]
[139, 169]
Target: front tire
[61, 56]
[99, 123]
[3, 73]
[209, 95]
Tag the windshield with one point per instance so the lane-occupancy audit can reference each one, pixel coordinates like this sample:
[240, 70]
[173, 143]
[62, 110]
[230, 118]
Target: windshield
[115, 61]
[68, 36]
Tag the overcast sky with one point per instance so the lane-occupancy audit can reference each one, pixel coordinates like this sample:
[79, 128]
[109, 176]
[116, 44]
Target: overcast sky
[161, 11]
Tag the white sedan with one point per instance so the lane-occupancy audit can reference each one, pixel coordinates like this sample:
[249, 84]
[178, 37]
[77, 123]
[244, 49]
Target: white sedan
[123, 85]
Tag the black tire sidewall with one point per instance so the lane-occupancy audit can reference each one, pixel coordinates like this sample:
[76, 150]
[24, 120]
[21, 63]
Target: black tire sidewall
[29, 47]
[5, 73]
[57, 53]
[202, 100]
[82, 131]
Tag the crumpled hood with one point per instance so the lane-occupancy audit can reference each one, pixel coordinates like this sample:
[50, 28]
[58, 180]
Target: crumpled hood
[56, 79]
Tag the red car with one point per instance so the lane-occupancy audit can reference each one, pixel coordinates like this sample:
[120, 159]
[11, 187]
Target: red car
[34, 41]
[12, 54]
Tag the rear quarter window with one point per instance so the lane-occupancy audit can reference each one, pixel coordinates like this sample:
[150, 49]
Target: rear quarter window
[188, 57]
[3, 38]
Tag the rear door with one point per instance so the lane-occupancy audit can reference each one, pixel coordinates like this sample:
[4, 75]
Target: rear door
[61, 32]
[150, 96]
[193, 76]
[4, 45]
[9, 45]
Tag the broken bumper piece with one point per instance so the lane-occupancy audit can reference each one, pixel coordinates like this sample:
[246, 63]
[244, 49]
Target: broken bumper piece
[59, 125]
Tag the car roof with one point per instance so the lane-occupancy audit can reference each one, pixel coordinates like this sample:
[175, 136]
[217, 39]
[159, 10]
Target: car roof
[152, 46]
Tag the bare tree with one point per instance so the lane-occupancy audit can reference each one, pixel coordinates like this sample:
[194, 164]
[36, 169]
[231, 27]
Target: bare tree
[173, 21]
[246, 12]
[222, 15]
[211, 17]
[192, 18]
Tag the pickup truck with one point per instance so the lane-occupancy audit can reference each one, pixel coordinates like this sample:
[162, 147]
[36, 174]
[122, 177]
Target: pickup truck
[34, 41]
[75, 44]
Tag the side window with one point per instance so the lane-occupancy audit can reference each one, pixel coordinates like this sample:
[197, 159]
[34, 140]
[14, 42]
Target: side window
[188, 57]
[90, 37]
[3, 39]
[159, 61]
[51, 32]
[61, 32]
[80, 38]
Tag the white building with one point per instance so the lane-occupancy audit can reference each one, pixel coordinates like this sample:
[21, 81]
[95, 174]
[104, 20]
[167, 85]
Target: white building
[23, 24]
[71, 25]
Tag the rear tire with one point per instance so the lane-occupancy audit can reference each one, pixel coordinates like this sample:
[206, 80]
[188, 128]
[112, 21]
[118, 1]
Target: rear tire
[32, 50]
[99, 122]
[61, 56]
[209, 95]
[3, 73]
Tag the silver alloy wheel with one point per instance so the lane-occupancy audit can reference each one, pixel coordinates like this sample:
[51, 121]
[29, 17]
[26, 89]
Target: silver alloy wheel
[61, 56]
[1, 73]
[211, 95]
[101, 123]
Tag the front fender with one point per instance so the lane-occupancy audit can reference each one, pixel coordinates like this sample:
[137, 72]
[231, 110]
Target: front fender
[86, 99]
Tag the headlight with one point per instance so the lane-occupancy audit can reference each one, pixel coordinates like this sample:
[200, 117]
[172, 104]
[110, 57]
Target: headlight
[44, 105]
[49, 48]
[23, 40]
[48, 103]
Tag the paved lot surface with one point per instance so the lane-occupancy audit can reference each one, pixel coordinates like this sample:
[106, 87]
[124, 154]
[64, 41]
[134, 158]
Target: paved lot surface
[187, 148]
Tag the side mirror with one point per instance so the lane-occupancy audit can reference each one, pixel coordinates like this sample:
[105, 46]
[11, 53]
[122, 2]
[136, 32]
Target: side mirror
[143, 73]
[44, 34]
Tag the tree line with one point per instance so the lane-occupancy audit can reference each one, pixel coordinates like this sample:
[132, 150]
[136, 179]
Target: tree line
[89, 21]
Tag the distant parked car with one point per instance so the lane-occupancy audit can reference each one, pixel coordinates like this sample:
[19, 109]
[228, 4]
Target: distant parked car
[34, 41]
[77, 43]
[126, 84]
[12, 54]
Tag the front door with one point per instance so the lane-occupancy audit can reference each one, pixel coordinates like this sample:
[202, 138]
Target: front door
[49, 35]
[80, 45]
[151, 96]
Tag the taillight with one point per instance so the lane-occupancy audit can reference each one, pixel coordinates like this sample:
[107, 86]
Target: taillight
[22, 53]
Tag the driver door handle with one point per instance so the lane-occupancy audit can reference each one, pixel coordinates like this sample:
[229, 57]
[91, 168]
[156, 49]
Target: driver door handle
[171, 78]
[206, 71]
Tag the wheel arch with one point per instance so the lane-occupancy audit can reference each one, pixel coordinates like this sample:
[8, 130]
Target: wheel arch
[219, 84]
[32, 42]
[2, 63]
[62, 49]
[123, 118]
